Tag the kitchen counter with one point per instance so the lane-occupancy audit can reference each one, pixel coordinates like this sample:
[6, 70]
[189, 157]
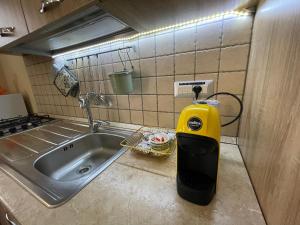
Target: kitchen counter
[138, 189]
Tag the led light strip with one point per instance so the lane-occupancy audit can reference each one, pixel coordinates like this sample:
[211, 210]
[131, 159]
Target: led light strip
[203, 19]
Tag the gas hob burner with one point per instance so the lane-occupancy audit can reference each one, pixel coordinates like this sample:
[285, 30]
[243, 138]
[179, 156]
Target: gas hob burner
[24, 126]
[13, 130]
[21, 123]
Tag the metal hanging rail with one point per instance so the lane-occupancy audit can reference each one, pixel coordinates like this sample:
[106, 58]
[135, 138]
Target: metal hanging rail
[96, 54]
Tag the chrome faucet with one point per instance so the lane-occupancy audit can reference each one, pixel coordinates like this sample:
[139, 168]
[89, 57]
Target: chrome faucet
[85, 102]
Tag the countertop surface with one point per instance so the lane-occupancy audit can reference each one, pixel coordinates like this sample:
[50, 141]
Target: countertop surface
[138, 189]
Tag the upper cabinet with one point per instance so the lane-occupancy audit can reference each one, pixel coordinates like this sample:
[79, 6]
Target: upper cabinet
[147, 15]
[39, 13]
[12, 22]
[55, 26]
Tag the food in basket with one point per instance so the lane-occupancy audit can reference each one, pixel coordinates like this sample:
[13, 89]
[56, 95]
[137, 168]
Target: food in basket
[158, 139]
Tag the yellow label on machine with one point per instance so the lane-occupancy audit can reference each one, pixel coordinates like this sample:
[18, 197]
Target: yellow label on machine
[200, 119]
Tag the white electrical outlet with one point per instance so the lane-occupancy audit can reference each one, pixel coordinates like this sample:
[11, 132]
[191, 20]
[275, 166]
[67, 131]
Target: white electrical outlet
[185, 88]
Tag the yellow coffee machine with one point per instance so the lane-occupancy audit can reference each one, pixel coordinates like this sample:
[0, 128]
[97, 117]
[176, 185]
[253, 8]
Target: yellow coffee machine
[198, 145]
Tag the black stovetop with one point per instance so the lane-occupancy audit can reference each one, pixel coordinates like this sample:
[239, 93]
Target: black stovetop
[21, 123]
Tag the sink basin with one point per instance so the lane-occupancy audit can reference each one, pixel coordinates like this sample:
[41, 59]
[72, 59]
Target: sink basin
[57, 173]
[80, 158]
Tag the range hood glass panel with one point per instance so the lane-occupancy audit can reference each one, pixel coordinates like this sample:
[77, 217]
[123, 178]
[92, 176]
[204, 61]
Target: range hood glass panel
[102, 27]
[87, 26]
[106, 26]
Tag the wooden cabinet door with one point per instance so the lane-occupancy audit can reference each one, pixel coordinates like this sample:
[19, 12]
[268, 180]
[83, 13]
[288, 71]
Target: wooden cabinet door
[11, 15]
[35, 19]
[3, 220]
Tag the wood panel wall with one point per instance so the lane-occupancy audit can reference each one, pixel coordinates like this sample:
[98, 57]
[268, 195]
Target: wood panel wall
[269, 136]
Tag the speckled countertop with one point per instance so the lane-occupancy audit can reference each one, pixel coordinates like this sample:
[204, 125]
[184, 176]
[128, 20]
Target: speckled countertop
[140, 190]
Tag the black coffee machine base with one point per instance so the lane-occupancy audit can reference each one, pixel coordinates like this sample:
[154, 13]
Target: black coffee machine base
[197, 196]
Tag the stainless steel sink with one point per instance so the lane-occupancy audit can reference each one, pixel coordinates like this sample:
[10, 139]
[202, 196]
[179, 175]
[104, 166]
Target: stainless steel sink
[62, 169]
[81, 157]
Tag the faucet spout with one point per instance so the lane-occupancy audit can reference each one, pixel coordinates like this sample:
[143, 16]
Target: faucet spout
[85, 103]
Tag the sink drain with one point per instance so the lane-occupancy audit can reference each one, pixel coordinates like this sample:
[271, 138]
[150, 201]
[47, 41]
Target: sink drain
[84, 169]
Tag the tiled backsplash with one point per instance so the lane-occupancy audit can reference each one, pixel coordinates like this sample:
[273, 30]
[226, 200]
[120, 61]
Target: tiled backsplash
[217, 51]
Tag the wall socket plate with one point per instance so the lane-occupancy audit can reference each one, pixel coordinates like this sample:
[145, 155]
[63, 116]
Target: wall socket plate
[185, 88]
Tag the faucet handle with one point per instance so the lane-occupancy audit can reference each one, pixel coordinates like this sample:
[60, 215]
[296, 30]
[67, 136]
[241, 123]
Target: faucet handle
[100, 123]
[82, 100]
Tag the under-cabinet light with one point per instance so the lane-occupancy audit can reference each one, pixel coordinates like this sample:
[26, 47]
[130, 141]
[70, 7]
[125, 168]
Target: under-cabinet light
[175, 26]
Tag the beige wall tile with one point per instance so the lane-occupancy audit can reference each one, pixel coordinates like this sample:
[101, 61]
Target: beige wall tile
[185, 63]
[166, 120]
[58, 110]
[185, 39]
[230, 130]
[184, 77]
[234, 58]
[149, 85]
[103, 113]
[123, 101]
[150, 102]
[87, 74]
[150, 118]
[80, 74]
[95, 113]
[135, 102]
[147, 46]
[165, 44]
[228, 105]
[232, 82]
[136, 117]
[208, 76]
[137, 86]
[113, 115]
[209, 35]
[106, 58]
[136, 68]
[79, 63]
[135, 52]
[237, 30]
[118, 66]
[93, 60]
[165, 65]
[180, 103]
[106, 70]
[94, 73]
[63, 100]
[165, 103]
[207, 61]
[107, 87]
[165, 85]
[101, 87]
[176, 117]
[148, 67]
[114, 101]
[124, 116]
[115, 54]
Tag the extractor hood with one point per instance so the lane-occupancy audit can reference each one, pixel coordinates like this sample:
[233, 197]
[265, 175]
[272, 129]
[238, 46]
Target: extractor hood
[83, 28]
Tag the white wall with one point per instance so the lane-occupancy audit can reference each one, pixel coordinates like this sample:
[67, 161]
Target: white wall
[14, 78]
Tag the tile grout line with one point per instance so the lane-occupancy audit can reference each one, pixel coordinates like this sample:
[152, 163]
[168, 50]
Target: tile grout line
[220, 50]
[155, 45]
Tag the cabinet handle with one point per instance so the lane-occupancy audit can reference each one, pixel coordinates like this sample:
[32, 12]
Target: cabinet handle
[49, 3]
[9, 221]
[6, 31]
